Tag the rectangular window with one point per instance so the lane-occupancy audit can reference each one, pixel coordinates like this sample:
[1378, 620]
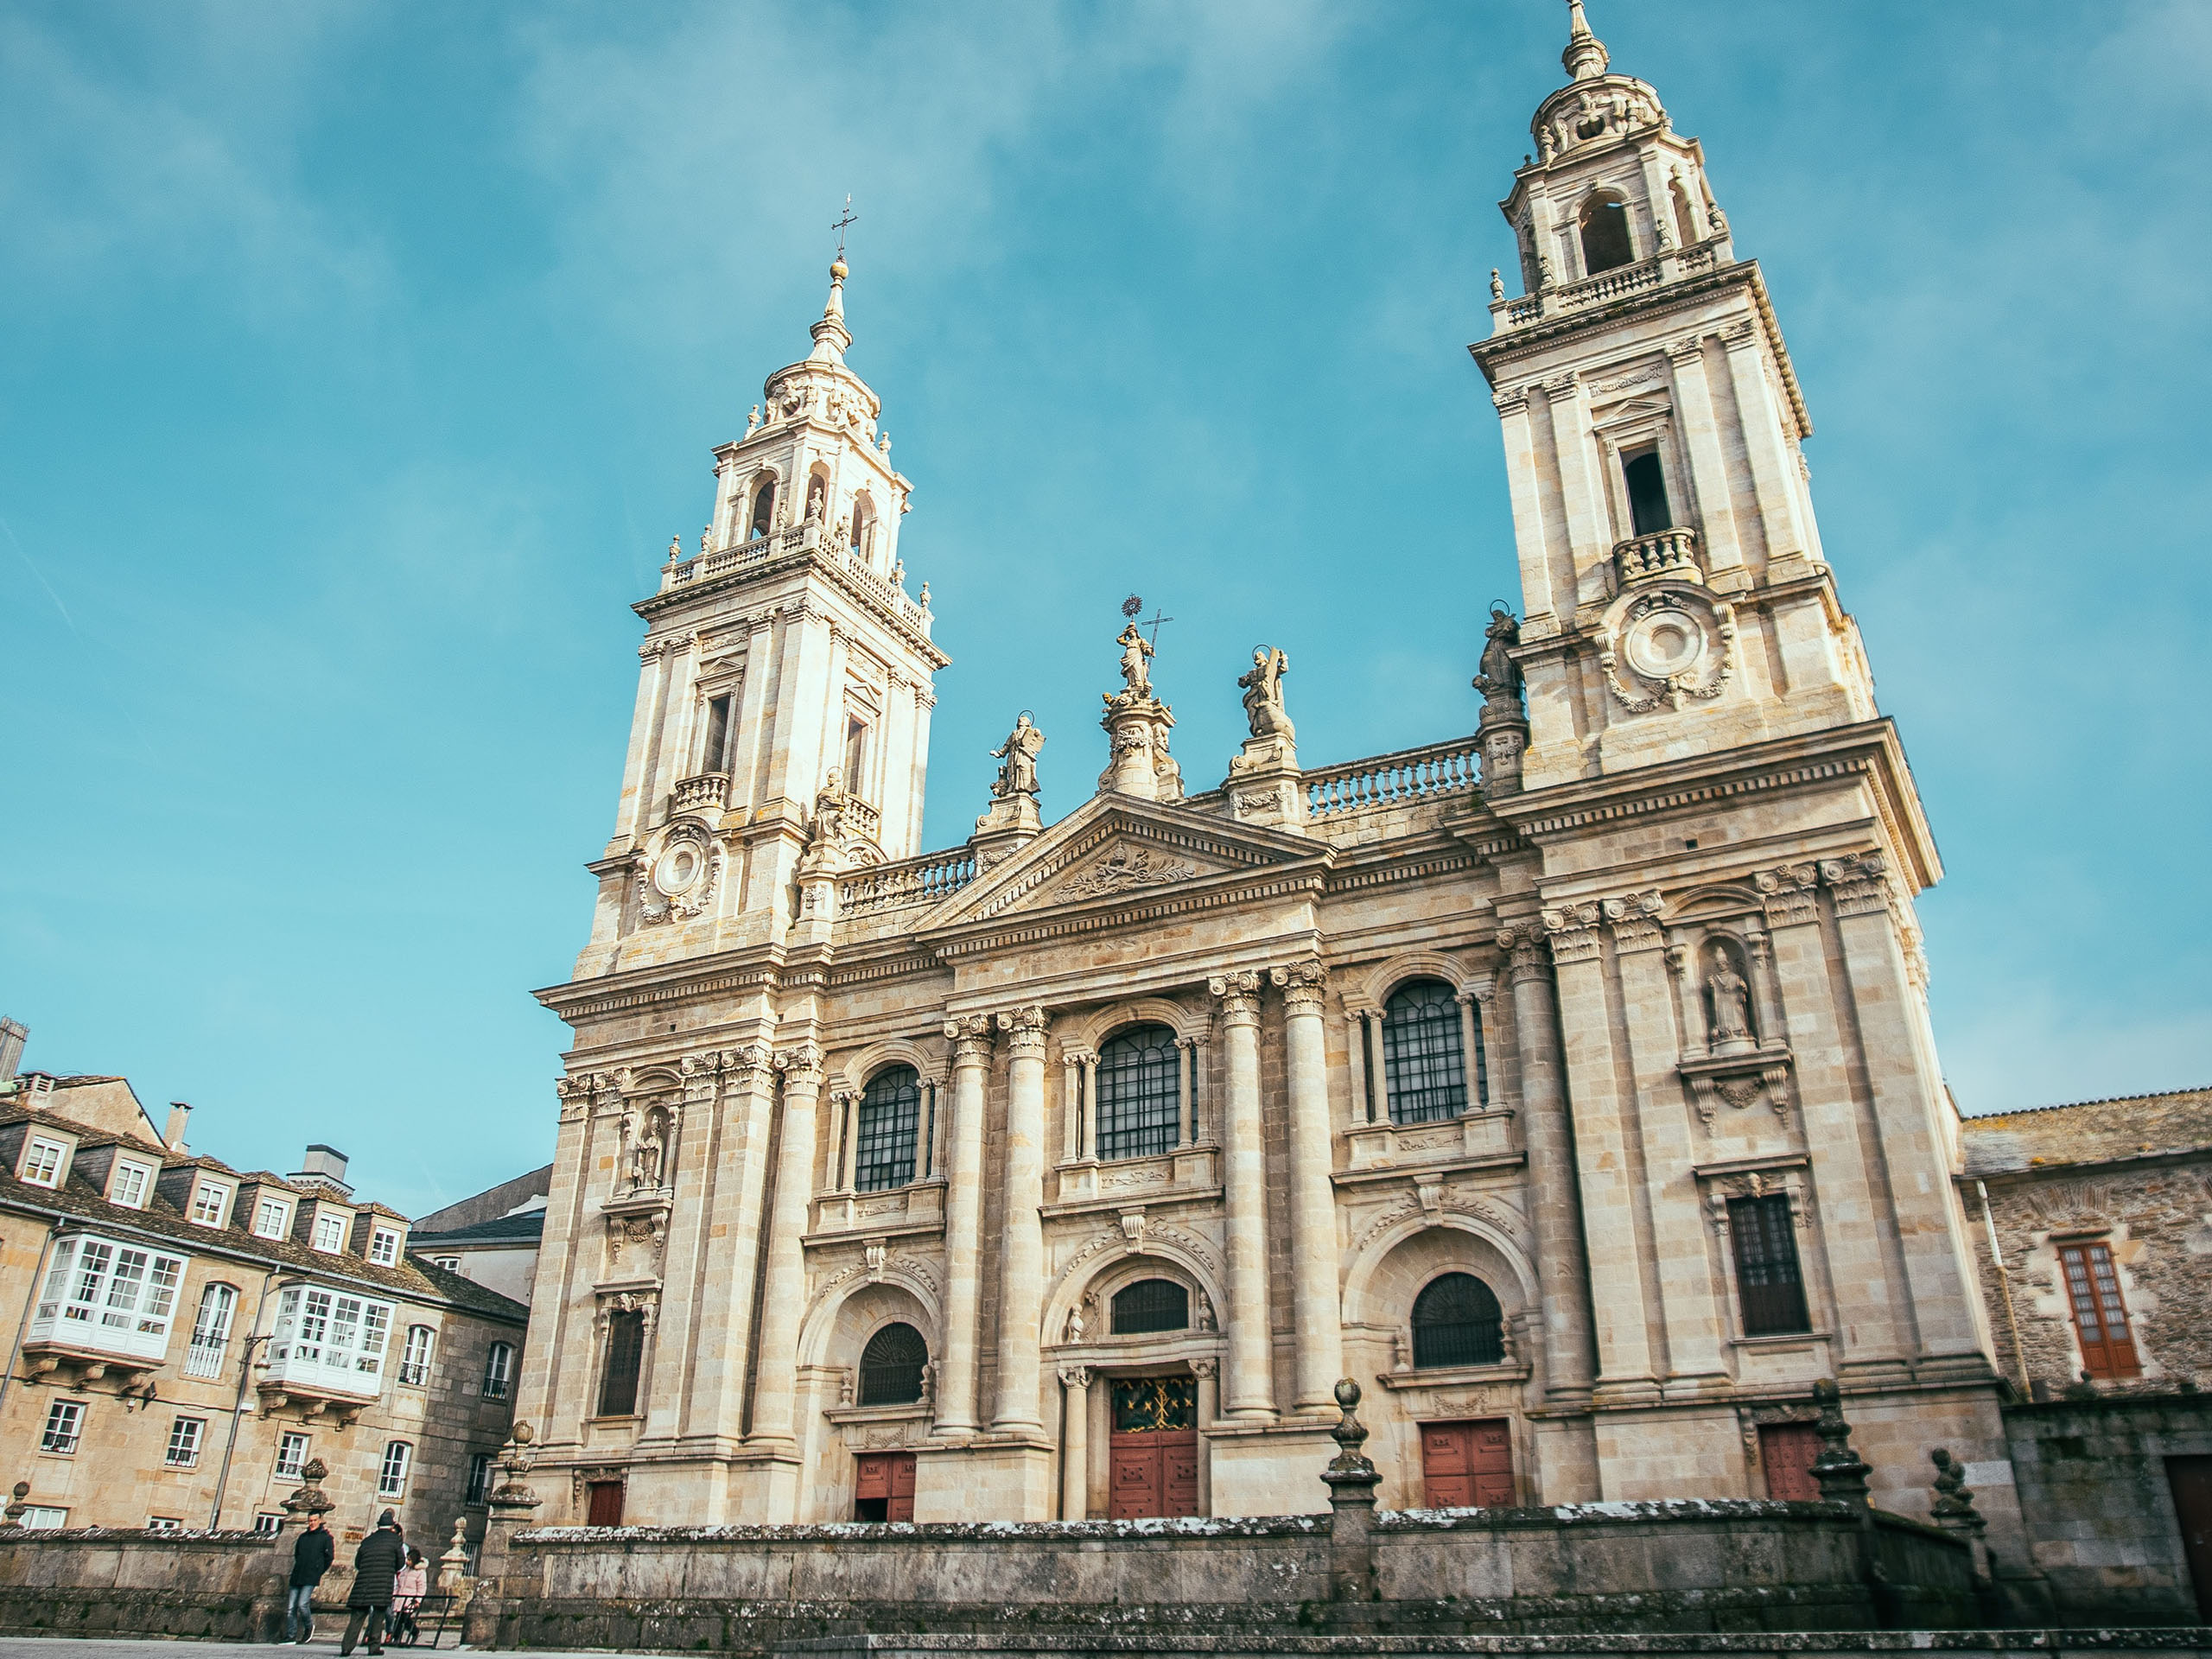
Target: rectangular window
[332, 1333]
[1768, 1286]
[856, 756]
[272, 1218]
[498, 1367]
[210, 1204]
[1647, 493]
[2100, 1315]
[715, 756]
[626, 1353]
[414, 1362]
[39, 1515]
[42, 1162]
[64, 1424]
[330, 1233]
[392, 1476]
[163, 1523]
[127, 1186]
[267, 1525]
[384, 1247]
[480, 1477]
[291, 1457]
[450, 1263]
[184, 1442]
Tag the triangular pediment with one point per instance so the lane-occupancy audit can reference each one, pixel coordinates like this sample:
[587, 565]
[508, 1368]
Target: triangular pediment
[1115, 848]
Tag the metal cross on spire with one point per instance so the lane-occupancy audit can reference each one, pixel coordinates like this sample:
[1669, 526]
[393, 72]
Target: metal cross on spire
[850, 218]
[1132, 604]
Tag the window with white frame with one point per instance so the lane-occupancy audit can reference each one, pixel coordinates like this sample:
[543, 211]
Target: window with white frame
[65, 1426]
[415, 1361]
[384, 1247]
[328, 1335]
[42, 1162]
[210, 1330]
[480, 1477]
[109, 1294]
[292, 1457]
[392, 1475]
[210, 1204]
[44, 1517]
[499, 1370]
[128, 1184]
[329, 1232]
[450, 1263]
[184, 1443]
[272, 1217]
[267, 1525]
[163, 1523]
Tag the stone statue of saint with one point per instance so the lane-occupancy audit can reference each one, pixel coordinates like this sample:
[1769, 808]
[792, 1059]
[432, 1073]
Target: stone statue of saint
[1018, 775]
[1136, 660]
[1262, 690]
[830, 810]
[1499, 679]
[1731, 997]
[645, 1151]
[817, 497]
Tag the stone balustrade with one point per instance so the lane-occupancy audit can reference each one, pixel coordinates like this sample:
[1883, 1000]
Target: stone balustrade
[1669, 266]
[919, 880]
[710, 790]
[1664, 553]
[755, 550]
[1393, 780]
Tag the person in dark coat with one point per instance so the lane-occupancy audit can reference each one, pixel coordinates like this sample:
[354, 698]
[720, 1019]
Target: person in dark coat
[376, 1564]
[312, 1553]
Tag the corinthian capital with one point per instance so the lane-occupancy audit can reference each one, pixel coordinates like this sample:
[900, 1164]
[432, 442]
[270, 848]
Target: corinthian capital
[1860, 884]
[1572, 928]
[1302, 985]
[801, 1065]
[970, 1036]
[1524, 952]
[1634, 918]
[1239, 991]
[1787, 892]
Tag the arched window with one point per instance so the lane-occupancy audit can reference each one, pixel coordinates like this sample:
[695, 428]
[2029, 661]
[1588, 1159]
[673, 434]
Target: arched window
[863, 521]
[498, 1370]
[764, 507]
[1457, 1322]
[414, 1358]
[211, 1329]
[891, 1367]
[1424, 1066]
[1151, 1305]
[886, 1129]
[1139, 1103]
[1605, 235]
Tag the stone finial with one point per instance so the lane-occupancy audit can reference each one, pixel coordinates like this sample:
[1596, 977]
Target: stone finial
[1351, 1466]
[453, 1566]
[310, 1499]
[1585, 56]
[1841, 1471]
[1952, 1508]
[13, 1515]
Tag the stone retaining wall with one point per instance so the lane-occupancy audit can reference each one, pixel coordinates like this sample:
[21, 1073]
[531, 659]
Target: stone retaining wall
[1686, 1567]
[2102, 1644]
[94, 1581]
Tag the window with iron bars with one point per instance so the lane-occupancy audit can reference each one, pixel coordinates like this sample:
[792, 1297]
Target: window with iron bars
[1424, 1066]
[1140, 1101]
[1770, 1288]
[887, 1128]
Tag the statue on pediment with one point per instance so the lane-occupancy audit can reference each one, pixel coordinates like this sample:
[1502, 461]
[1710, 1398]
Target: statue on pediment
[1018, 772]
[1136, 663]
[1262, 689]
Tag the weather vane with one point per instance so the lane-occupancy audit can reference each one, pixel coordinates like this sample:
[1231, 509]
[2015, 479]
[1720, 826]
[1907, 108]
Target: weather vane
[1132, 604]
[850, 218]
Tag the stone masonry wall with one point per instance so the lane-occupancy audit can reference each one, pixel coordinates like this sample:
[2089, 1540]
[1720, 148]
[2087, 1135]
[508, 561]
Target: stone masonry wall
[90, 1582]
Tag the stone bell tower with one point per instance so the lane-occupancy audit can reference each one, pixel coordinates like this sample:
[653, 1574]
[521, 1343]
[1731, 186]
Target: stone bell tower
[784, 704]
[1676, 598]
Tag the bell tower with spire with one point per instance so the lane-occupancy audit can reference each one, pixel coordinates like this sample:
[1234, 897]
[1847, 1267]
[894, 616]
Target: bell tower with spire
[1676, 597]
[782, 721]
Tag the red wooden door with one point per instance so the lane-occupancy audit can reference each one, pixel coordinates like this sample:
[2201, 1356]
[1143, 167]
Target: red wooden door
[603, 1503]
[2192, 1479]
[884, 1488]
[1787, 1451]
[1467, 1465]
[1153, 1474]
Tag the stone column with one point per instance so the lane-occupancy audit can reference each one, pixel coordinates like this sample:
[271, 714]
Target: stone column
[1356, 1050]
[1187, 1061]
[1561, 1276]
[1071, 1106]
[970, 1037]
[1075, 1443]
[785, 1296]
[1208, 1371]
[1315, 1310]
[1470, 1049]
[1762, 422]
[848, 1118]
[1087, 1128]
[1708, 463]
[1532, 536]
[1021, 1244]
[1251, 1384]
[1378, 1074]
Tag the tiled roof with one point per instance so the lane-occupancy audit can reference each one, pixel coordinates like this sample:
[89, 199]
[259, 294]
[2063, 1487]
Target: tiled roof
[529, 1225]
[2176, 1123]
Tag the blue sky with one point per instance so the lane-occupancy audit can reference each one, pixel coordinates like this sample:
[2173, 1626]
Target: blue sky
[359, 361]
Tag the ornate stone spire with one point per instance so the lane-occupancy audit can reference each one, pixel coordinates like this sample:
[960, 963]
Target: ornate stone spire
[831, 338]
[1586, 57]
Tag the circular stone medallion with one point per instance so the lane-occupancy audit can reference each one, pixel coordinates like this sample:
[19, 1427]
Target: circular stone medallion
[1664, 643]
[677, 870]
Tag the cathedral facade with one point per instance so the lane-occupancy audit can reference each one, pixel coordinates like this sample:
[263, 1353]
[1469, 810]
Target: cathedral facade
[1569, 1084]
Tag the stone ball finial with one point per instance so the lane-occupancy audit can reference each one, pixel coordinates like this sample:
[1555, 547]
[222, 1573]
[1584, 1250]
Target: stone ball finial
[838, 270]
[1347, 1394]
[523, 1434]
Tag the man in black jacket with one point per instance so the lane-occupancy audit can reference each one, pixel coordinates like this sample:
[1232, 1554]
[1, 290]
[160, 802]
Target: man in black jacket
[312, 1552]
[381, 1555]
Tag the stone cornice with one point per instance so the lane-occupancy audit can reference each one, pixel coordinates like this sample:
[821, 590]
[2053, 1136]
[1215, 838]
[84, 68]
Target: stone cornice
[1870, 750]
[1027, 927]
[808, 561]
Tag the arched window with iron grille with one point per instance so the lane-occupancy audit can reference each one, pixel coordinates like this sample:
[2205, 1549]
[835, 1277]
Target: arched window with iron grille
[1457, 1322]
[887, 1129]
[1424, 1064]
[1139, 1103]
[891, 1367]
[1151, 1305]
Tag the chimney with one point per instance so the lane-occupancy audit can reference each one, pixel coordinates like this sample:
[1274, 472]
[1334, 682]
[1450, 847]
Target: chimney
[13, 1033]
[323, 1166]
[173, 1137]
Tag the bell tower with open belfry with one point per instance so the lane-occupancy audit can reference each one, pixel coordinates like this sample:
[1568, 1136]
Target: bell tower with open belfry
[1670, 558]
[787, 672]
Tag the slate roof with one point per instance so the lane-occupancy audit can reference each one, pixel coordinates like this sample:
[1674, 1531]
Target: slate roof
[2175, 1124]
[419, 1281]
[528, 1227]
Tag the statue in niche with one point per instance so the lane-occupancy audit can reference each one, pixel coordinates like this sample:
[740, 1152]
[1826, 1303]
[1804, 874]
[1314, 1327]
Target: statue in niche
[1136, 664]
[1018, 774]
[817, 496]
[1728, 998]
[646, 1151]
[1499, 676]
[829, 812]
[1262, 690]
